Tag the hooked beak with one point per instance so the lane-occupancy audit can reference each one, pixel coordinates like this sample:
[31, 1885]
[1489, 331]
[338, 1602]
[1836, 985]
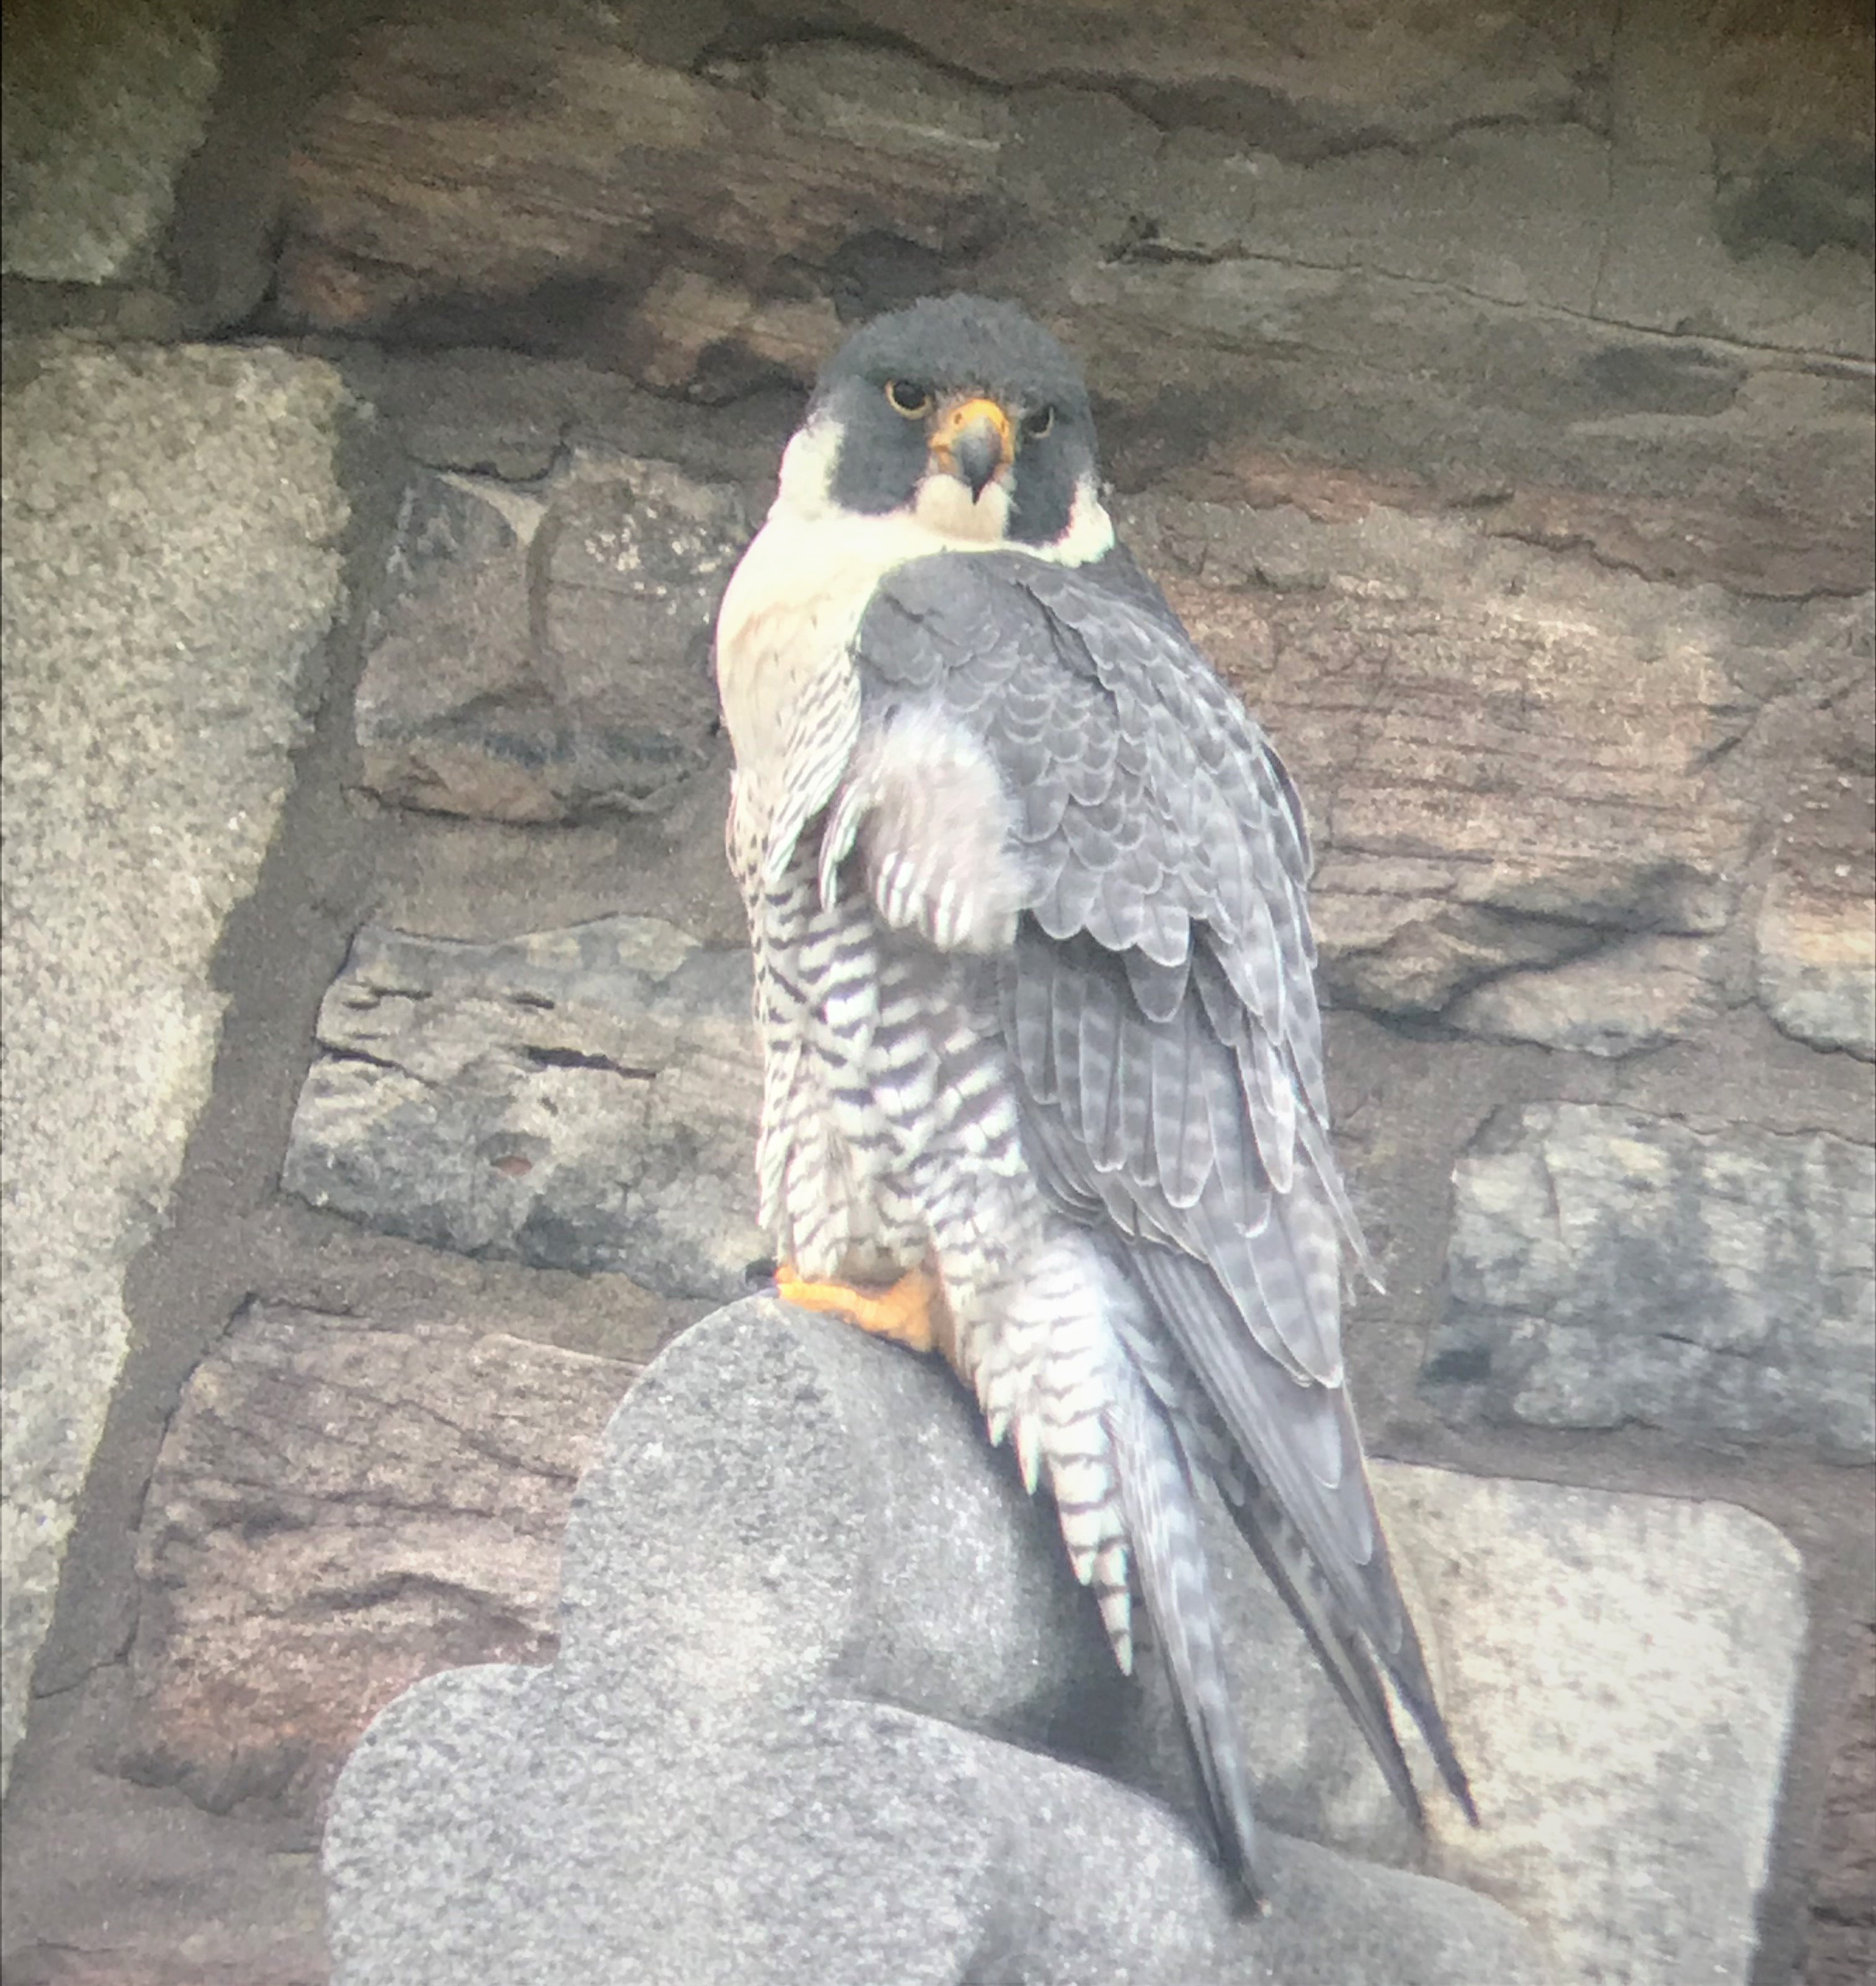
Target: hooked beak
[972, 441]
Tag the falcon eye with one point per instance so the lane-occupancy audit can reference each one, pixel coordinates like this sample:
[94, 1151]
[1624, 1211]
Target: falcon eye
[1038, 424]
[907, 399]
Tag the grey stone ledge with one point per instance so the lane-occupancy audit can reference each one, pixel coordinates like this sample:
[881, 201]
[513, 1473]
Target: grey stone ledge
[828, 1707]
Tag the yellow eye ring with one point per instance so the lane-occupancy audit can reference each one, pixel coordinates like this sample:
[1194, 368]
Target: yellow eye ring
[905, 397]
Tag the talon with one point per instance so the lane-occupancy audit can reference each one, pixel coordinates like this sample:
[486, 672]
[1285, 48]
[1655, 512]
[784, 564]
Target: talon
[911, 1313]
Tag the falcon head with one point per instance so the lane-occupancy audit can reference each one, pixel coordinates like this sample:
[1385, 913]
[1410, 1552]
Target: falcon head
[961, 415]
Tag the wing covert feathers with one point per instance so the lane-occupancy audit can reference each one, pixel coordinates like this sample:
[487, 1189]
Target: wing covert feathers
[1159, 1003]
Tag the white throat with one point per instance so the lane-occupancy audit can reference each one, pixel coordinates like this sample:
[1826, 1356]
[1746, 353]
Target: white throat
[941, 516]
[785, 631]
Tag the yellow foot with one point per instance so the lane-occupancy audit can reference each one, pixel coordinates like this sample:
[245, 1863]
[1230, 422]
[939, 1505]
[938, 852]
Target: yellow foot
[911, 1312]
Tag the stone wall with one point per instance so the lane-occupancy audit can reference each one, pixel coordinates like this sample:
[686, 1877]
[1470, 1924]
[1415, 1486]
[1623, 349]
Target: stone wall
[389, 389]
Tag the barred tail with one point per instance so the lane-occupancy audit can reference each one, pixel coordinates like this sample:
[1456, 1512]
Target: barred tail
[1162, 1520]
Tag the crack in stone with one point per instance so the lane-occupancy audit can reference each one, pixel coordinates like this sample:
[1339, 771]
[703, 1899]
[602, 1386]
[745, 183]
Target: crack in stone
[1858, 368]
[1590, 547]
[1757, 1355]
[395, 1585]
[332, 1051]
[546, 1057]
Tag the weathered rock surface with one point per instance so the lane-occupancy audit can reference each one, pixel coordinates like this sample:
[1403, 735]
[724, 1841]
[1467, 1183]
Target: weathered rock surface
[1817, 958]
[1842, 1948]
[380, 1400]
[339, 1509]
[804, 1607]
[1608, 276]
[332, 1267]
[1620, 1672]
[103, 105]
[1494, 391]
[1628, 1821]
[1507, 762]
[543, 652]
[1533, 787]
[583, 1099]
[1607, 1266]
[1635, 995]
[1310, 81]
[170, 570]
[110, 1884]
[482, 413]
[803, 1612]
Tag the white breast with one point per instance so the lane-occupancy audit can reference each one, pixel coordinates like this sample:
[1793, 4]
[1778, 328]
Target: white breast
[785, 635]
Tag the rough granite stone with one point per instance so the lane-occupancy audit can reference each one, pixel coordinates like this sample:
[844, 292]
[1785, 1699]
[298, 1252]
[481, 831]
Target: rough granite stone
[803, 1613]
[1606, 1267]
[583, 1099]
[1628, 1822]
[539, 653]
[104, 105]
[806, 1612]
[1620, 1672]
[170, 570]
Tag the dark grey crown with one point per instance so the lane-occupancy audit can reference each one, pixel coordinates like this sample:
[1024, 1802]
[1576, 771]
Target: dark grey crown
[951, 344]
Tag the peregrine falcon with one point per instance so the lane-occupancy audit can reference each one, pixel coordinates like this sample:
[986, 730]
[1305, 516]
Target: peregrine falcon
[1042, 1060]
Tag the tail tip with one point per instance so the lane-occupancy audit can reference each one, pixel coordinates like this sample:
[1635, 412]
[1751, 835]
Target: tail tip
[1251, 1902]
[1460, 1788]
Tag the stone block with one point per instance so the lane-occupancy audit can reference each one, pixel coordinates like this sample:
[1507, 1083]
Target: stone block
[1507, 760]
[1739, 180]
[804, 1613]
[1261, 243]
[1628, 1821]
[537, 655]
[104, 106]
[1607, 1266]
[813, 1630]
[171, 567]
[338, 1508]
[219, 1899]
[585, 1099]
[1621, 1672]
[1302, 82]
[1816, 967]
[1636, 994]
[631, 153]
